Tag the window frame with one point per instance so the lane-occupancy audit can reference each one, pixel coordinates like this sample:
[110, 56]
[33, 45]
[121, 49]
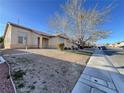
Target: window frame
[20, 38]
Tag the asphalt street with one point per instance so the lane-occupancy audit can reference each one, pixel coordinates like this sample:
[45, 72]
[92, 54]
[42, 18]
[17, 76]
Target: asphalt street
[117, 58]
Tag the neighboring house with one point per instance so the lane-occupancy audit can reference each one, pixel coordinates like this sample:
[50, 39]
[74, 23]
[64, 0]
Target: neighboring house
[110, 45]
[17, 36]
[118, 44]
[121, 44]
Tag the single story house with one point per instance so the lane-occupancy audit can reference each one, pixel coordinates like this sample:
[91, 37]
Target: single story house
[17, 36]
[117, 44]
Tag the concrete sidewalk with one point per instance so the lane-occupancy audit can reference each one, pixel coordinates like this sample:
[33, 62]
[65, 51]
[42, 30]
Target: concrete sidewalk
[99, 76]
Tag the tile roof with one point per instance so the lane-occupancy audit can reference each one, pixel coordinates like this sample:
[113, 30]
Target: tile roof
[33, 30]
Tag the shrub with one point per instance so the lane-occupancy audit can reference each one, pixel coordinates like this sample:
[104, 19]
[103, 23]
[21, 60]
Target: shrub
[61, 46]
[72, 47]
[88, 46]
[65, 48]
[45, 88]
[18, 75]
[32, 87]
[76, 48]
[1, 39]
[21, 85]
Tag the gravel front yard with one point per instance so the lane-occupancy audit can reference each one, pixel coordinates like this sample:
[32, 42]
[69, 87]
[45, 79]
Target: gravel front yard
[46, 71]
[5, 82]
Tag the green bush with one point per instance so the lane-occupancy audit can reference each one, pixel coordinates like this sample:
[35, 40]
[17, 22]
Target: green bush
[21, 85]
[18, 75]
[1, 39]
[61, 46]
[32, 87]
[65, 48]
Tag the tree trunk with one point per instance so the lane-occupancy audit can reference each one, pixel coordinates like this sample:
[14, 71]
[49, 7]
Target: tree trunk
[82, 43]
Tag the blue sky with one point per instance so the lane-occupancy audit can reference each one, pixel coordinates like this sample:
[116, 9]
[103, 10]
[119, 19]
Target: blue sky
[35, 14]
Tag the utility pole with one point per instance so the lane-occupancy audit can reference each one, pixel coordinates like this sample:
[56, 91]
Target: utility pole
[18, 20]
[26, 45]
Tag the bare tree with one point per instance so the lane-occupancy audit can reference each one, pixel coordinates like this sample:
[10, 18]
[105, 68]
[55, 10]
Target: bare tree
[59, 23]
[82, 24]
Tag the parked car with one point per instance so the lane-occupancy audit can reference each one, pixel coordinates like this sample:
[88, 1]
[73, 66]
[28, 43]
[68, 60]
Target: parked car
[122, 47]
[103, 48]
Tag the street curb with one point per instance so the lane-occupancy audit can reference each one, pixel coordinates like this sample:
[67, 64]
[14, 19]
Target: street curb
[110, 62]
[11, 78]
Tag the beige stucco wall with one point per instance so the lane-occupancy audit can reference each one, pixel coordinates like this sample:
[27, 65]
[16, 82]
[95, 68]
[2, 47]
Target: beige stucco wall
[117, 44]
[121, 44]
[7, 38]
[31, 38]
[54, 41]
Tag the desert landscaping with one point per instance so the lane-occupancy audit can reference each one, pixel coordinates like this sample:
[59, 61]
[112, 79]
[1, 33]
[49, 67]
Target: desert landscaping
[45, 70]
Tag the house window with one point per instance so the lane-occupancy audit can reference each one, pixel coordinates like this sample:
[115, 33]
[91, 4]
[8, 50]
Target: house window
[20, 40]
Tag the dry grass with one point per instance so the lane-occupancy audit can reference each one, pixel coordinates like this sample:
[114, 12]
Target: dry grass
[47, 71]
[73, 57]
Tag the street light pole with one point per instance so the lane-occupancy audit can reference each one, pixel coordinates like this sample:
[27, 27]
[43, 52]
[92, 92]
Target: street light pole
[26, 47]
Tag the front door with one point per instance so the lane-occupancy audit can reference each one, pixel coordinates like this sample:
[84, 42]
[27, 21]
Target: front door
[38, 40]
[45, 43]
